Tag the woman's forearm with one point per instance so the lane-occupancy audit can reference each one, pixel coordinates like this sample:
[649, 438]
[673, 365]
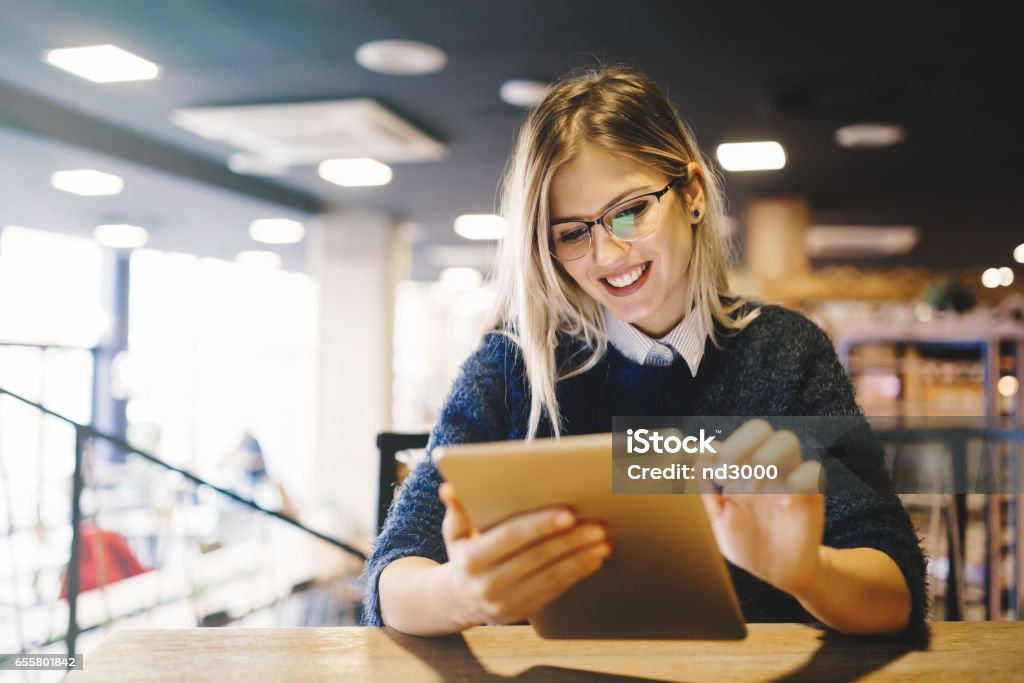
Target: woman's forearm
[417, 596]
[859, 591]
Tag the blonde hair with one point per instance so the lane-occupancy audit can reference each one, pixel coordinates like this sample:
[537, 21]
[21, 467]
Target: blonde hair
[618, 109]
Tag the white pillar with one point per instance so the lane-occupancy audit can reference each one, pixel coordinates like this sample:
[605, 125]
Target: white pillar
[352, 257]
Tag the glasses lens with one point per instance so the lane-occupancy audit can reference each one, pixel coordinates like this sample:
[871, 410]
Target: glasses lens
[634, 218]
[571, 240]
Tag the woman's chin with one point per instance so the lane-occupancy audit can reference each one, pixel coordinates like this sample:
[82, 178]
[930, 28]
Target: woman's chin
[628, 311]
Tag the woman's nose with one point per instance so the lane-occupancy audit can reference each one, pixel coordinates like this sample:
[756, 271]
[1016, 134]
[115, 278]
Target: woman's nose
[606, 248]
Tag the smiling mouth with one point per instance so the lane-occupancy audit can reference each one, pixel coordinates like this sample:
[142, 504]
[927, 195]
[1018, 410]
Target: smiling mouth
[626, 284]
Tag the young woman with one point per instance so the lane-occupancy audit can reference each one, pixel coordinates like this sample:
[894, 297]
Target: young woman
[613, 301]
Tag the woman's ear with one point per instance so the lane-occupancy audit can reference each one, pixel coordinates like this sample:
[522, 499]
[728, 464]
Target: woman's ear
[693, 193]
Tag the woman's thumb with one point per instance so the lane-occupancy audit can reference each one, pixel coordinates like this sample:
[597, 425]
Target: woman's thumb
[456, 523]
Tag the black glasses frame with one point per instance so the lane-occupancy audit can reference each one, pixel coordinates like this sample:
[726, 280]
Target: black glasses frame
[601, 220]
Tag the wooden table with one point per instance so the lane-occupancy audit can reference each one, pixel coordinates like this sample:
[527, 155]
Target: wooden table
[989, 651]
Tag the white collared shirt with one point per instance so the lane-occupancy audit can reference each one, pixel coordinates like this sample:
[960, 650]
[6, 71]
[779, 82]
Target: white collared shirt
[687, 339]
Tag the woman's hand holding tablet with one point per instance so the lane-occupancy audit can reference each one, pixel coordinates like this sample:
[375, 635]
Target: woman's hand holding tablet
[508, 572]
[777, 538]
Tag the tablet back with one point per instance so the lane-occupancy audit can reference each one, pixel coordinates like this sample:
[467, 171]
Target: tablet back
[665, 577]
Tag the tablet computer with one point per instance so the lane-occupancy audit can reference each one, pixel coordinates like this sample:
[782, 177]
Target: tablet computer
[665, 578]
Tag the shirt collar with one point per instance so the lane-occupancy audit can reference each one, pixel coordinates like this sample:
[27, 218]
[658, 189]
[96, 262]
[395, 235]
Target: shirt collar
[688, 338]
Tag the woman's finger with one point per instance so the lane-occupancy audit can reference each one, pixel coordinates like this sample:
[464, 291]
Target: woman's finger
[781, 450]
[456, 523]
[713, 504]
[545, 552]
[540, 588]
[809, 477]
[744, 441]
[511, 536]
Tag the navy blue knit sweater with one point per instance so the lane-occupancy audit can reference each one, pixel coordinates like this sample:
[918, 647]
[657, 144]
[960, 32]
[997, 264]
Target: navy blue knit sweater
[780, 364]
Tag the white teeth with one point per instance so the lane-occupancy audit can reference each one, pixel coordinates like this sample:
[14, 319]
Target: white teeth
[629, 278]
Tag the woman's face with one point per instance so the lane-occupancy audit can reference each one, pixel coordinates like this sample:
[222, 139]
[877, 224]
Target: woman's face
[588, 185]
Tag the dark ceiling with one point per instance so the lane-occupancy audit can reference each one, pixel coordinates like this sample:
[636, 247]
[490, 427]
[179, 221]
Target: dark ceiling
[788, 71]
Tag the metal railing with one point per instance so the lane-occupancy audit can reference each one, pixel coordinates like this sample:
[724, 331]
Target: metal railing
[84, 435]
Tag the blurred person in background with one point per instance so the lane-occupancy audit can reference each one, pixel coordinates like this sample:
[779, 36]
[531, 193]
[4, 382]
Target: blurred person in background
[246, 468]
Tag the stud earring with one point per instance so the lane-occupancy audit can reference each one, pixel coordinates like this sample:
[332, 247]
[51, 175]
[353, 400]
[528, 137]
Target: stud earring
[696, 213]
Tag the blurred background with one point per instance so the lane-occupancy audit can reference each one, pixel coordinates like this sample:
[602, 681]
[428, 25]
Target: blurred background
[253, 241]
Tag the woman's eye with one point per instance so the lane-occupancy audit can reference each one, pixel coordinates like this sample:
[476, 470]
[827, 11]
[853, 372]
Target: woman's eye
[574, 235]
[631, 212]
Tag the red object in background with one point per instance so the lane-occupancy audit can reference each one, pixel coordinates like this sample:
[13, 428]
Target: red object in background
[105, 558]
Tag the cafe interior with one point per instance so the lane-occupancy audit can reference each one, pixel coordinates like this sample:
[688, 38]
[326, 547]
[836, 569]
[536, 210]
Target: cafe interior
[245, 248]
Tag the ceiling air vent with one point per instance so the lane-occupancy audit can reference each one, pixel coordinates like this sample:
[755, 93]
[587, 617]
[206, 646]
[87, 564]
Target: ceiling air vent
[302, 133]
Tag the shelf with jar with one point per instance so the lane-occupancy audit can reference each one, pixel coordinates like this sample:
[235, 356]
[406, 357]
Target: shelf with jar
[907, 363]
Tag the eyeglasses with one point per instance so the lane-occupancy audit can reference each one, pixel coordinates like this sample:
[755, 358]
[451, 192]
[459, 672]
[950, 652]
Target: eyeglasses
[628, 221]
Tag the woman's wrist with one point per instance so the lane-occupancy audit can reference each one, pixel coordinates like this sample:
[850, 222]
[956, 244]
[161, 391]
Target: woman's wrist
[858, 591]
[461, 612]
[807, 588]
[422, 597]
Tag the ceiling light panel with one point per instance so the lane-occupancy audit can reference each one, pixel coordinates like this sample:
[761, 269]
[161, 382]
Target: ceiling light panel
[355, 172]
[401, 57]
[277, 231]
[102, 64]
[87, 182]
[303, 133]
[523, 93]
[870, 135]
[850, 241]
[485, 226]
[751, 156]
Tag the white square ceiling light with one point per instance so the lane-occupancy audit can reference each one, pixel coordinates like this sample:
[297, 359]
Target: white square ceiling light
[766, 155]
[355, 172]
[102, 63]
[302, 133]
[87, 182]
[277, 231]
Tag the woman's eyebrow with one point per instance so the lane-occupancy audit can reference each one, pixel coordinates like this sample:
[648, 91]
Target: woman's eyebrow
[607, 206]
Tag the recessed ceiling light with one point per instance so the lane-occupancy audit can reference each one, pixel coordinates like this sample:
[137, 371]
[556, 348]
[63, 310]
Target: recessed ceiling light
[870, 135]
[355, 172]
[991, 278]
[751, 156]
[102, 63]
[1018, 253]
[523, 93]
[277, 231]
[251, 164]
[120, 236]
[1005, 276]
[482, 226]
[460, 279]
[259, 259]
[87, 182]
[401, 57]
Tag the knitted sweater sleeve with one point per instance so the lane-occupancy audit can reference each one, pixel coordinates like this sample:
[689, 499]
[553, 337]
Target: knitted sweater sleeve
[479, 407]
[856, 517]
